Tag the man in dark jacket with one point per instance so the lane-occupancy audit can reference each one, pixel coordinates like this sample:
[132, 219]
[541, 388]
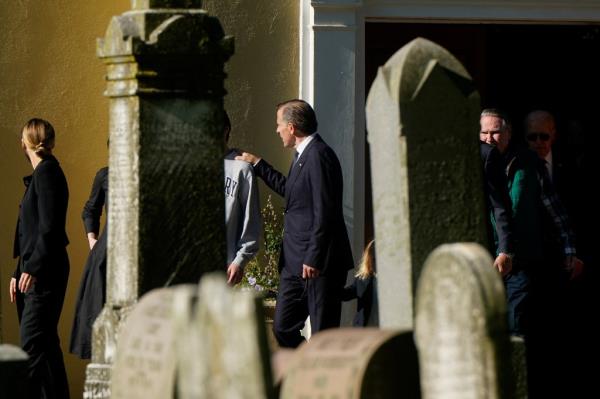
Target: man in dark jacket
[316, 252]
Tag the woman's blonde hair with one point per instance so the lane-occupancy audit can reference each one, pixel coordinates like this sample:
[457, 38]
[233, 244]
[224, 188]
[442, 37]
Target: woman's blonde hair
[38, 136]
[367, 268]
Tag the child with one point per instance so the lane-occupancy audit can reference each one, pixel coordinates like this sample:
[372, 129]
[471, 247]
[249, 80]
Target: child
[364, 289]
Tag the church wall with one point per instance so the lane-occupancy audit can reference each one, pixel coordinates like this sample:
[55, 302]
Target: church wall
[49, 69]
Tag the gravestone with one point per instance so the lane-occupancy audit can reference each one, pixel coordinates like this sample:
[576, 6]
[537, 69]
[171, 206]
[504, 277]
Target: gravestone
[353, 363]
[422, 119]
[519, 367]
[222, 350]
[460, 326]
[165, 74]
[144, 366]
[13, 372]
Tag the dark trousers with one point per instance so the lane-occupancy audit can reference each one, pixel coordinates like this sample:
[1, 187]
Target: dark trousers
[298, 298]
[517, 285]
[549, 338]
[39, 311]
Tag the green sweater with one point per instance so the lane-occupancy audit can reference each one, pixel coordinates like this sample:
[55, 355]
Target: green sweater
[524, 190]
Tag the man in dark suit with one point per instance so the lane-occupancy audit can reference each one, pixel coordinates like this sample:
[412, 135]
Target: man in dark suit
[499, 205]
[540, 132]
[315, 254]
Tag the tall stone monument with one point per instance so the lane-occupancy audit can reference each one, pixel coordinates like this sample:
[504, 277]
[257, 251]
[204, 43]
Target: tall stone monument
[422, 122]
[460, 327]
[165, 61]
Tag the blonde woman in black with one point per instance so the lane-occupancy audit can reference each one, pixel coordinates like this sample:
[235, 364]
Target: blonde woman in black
[39, 283]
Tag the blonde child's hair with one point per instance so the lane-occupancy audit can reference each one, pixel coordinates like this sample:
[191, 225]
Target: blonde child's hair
[366, 267]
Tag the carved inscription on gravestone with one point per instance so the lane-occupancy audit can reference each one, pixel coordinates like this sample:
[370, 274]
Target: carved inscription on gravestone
[422, 114]
[222, 349]
[460, 325]
[144, 367]
[353, 363]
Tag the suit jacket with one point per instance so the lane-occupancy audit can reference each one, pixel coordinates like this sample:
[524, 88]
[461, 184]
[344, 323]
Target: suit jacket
[497, 197]
[314, 230]
[523, 168]
[40, 237]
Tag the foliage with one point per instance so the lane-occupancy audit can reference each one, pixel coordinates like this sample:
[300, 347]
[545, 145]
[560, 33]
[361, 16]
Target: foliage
[261, 273]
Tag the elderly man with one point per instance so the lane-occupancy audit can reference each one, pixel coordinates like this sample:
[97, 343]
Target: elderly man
[540, 132]
[315, 255]
[533, 295]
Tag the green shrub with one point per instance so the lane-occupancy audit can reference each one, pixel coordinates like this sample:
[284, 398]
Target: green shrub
[261, 273]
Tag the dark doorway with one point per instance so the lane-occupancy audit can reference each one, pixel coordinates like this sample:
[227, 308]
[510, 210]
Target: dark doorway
[520, 68]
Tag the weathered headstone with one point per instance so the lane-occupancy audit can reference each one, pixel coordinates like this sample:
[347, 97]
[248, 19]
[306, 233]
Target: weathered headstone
[353, 363]
[460, 326]
[422, 112]
[144, 366]
[165, 74]
[223, 351]
[519, 367]
[13, 372]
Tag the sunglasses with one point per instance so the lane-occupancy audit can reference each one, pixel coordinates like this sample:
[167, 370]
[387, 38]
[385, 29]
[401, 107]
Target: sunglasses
[535, 136]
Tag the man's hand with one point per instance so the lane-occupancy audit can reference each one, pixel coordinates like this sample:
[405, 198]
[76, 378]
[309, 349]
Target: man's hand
[234, 274]
[503, 263]
[309, 272]
[12, 289]
[574, 265]
[25, 282]
[248, 157]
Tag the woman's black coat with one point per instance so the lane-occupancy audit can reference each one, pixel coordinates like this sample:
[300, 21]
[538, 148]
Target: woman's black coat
[40, 238]
[92, 289]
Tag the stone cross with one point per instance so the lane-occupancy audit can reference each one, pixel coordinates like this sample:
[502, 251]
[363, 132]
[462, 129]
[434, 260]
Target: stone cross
[422, 120]
[353, 363]
[165, 75]
[460, 326]
[222, 346]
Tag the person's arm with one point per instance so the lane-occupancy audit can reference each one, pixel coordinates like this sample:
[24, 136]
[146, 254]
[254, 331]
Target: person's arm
[560, 219]
[247, 243]
[272, 178]
[349, 291]
[497, 190]
[92, 210]
[52, 195]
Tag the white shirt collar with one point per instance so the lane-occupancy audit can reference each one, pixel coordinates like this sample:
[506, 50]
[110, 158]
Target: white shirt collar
[549, 158]
[304, 143]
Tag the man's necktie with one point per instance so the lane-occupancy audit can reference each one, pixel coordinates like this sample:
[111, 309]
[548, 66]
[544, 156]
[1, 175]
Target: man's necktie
[293, 162]
[548, 170]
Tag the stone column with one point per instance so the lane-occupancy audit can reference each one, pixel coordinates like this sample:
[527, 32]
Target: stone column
[165, 61]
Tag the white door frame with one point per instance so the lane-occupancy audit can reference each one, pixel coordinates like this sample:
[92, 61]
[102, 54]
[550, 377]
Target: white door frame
[332, 65]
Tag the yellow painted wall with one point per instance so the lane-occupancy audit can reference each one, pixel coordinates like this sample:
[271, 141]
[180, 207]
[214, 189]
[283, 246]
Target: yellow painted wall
[48, 68]
[262, 73]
